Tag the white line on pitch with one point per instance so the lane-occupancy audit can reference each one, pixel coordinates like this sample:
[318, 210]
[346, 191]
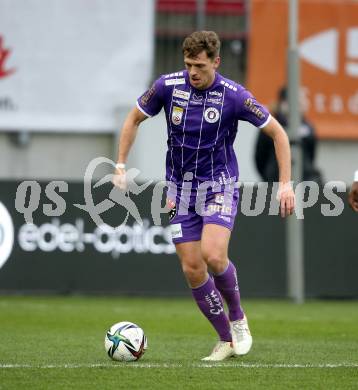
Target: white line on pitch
[178, 365]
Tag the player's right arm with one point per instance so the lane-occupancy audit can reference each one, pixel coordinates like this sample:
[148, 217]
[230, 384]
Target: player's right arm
[148, 105]
[127, 137]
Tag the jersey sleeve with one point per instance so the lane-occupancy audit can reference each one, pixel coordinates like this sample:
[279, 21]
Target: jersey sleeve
[248, 109]
[152, 101]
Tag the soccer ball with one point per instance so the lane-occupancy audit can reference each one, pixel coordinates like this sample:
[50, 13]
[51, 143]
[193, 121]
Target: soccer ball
[125, 342]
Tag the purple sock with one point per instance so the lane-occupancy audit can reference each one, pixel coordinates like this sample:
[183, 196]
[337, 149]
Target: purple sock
[211, 304]
[228, 285]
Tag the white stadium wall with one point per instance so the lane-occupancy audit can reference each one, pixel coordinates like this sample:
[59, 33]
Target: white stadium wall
[67, 155]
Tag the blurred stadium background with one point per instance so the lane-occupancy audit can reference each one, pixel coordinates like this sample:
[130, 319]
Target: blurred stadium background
[69, 72]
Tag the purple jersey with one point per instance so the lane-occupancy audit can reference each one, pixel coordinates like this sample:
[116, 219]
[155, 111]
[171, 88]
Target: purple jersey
[202, 125]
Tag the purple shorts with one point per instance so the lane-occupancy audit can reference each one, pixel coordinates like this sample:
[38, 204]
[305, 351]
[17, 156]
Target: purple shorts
[188, 218]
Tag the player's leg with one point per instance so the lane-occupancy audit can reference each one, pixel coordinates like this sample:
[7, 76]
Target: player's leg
[186, 233]
[194, 267]
[214, 247]
[215, 242]
[203, 288]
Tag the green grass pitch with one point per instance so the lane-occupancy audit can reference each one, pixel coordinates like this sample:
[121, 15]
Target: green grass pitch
[57, 343]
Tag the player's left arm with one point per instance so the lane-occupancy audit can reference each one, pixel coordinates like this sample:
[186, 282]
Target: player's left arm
[279, 137]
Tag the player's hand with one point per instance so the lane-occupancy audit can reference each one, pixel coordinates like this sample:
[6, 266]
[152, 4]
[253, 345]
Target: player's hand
[353, 196]
[119, 178]
[286, 197]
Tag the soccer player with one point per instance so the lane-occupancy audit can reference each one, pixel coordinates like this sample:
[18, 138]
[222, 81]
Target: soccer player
[353, 193]
[202, 110]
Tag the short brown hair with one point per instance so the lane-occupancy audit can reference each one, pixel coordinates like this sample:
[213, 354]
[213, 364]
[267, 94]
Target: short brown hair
[198, 41]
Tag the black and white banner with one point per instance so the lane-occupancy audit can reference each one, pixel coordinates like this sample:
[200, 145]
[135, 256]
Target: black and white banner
[66, 251]
[52, 240]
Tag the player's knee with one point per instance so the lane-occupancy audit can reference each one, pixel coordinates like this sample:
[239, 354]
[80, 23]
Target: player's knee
[211, 255]
[195, 274]
[215, 260]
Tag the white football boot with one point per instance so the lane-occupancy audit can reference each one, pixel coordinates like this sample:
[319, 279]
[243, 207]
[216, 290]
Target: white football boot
[221, 351]
[241, 336]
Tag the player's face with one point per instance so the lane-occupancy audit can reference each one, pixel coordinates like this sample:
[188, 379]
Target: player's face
[201, 70]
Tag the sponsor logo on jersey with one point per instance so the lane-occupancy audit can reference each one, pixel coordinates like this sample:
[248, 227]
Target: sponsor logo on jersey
[177, 115]
[181, 94]
[214, 100]
[176, 230]
[219, 198]
[148, 95]
[227, 85]
[181, 103]
[215, 93]
[249, 103]
[218, 208]
[176, 74]
[175, 81]
[211, 115]
[226, 219]
[197, 99]
[226, 180]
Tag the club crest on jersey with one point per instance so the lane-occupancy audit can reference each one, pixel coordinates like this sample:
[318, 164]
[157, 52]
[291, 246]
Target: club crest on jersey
[177, 115]
[211, 115]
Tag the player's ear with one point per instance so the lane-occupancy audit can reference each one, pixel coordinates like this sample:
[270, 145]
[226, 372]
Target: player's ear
[217, 61]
